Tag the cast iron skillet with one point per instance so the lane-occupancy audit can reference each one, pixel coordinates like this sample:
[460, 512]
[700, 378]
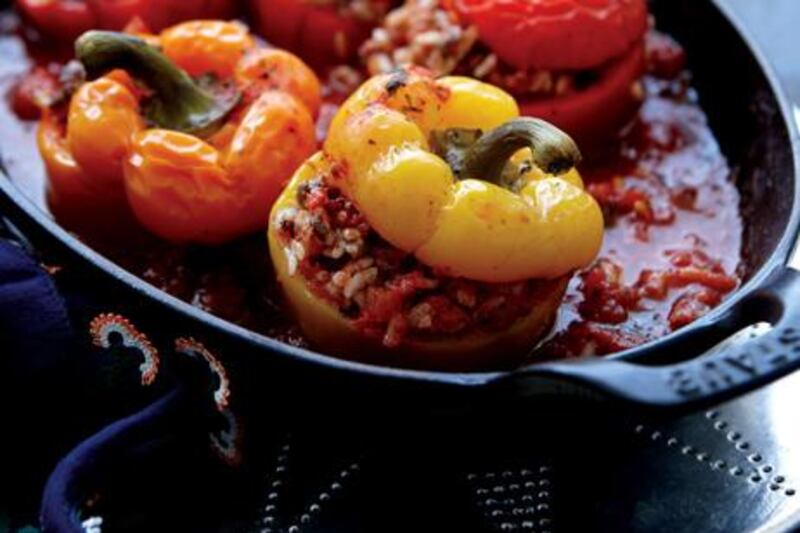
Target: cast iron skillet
[750, 116]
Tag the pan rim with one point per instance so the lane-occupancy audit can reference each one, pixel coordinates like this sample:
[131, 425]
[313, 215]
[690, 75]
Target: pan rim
[25, 207]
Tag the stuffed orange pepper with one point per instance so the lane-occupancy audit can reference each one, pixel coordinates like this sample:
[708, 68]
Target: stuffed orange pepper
[435, 229]
[197, 129]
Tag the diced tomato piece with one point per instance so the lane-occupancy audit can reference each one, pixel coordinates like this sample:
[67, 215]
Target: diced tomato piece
[692, 306]
[587, 338]
[606, 298]
[713, 280]
[652, 284]
[33, 91]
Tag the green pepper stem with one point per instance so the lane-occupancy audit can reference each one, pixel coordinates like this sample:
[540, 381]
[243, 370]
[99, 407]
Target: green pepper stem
[177, 103]
[553, 150]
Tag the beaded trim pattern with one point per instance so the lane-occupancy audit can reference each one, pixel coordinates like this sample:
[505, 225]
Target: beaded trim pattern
[225, 442]
[105, 325]
[193, 348]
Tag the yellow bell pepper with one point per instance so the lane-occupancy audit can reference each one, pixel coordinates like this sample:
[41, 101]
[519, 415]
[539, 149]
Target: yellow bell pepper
[546, 229]
[445, 171]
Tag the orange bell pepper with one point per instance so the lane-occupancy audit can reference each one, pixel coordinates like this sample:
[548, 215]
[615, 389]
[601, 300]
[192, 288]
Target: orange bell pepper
[199, 161]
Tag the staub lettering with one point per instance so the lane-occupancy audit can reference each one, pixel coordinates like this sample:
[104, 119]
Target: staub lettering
[683, 383]
[743, 362]
[724, 371]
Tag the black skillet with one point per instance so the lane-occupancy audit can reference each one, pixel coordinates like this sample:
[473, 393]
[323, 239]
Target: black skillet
[751, 118]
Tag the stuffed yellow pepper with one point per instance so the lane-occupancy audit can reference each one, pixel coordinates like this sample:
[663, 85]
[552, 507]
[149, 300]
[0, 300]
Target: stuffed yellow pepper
[436, 229]
[196, 129]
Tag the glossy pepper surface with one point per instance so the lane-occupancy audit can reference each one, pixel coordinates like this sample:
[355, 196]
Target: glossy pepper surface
[603, 37]
[556, 34]
[493, 212]
[544, 228]
[197, 161]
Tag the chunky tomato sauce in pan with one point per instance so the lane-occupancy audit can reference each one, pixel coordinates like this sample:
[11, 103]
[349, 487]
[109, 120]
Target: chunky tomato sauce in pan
[672, 245]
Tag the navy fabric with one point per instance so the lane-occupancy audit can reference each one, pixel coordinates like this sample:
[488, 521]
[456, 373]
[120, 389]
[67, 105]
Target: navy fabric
[56, 390]
[80, 434]
[83, 469]
[36, 341]
[33, 317]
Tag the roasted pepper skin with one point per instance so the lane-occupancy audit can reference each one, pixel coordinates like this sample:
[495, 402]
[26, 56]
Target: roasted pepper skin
[380, 135]
[180, 186]
[556, 34]
[186, 190]
[378, 153]
[77, 202]
[606, 36]
[207, 46]
[65, 20]
[594, 116]
[85, 187]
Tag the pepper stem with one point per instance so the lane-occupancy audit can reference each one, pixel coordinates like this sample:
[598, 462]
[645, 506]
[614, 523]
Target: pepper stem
[553, 150]
[177, 103]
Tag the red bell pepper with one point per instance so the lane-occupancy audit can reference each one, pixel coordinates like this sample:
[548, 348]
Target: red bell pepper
[592, 113]
[605, 37]
[323, 35]
[556, 34]
[64, 20]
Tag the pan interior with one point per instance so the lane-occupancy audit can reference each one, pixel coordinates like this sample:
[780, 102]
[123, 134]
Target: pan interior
[735, 93]
[745, 115]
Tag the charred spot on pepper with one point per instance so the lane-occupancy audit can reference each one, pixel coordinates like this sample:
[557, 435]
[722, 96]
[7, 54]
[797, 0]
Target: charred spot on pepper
[398, 79]
[306, 189]
[338, 171]
[411, 106]
[268, 72]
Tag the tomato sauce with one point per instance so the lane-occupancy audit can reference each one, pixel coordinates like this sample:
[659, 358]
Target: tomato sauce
[672, 247]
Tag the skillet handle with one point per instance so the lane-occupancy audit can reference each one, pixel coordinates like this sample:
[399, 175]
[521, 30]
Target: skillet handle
[711, 377]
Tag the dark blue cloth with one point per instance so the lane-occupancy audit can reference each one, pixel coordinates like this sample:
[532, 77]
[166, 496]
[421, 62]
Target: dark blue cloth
[36, 341]
[80, 416]
[33, 317]
[132, 439]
